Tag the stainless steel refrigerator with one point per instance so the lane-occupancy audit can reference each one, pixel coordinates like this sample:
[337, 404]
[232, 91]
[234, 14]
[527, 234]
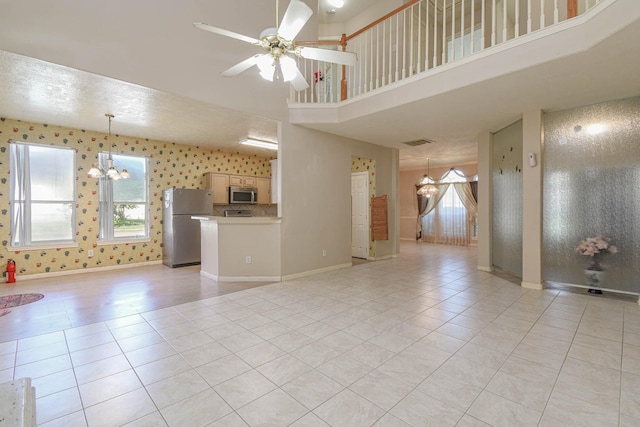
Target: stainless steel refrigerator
[181, 234]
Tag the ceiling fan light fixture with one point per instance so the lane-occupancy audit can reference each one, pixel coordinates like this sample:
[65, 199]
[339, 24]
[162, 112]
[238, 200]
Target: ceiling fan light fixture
[289, 68]
[279, 43]
[267, 67]
[261, 144]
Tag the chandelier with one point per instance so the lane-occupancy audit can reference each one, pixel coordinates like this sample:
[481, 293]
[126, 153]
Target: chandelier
[427, 189]
[112, 172]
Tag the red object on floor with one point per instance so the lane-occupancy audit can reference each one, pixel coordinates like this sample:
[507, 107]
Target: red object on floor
[11, 271]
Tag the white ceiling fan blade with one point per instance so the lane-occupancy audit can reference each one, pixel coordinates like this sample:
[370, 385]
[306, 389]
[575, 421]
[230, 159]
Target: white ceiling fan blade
[337, 57]
[226, 33]
[294, 18]
[242, 66]
[299, 82]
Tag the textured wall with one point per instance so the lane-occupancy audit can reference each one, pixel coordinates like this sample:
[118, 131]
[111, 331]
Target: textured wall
[172, 165]
[507, 198]
[592, 186]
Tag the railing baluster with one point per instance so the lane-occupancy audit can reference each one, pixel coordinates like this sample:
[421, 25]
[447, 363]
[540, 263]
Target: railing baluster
[493, 24]
[482, 26]
[371, 63]
[556, 14]
[542, 17]
[529, 17]
[426, 34]
[453, 30]
[417, 70]
[504, 21]
[472, 27]
[516, 28]
[444, 30]
[462, 29]
[361, 58]
[435, 35]
[397, 47]
[378, 46]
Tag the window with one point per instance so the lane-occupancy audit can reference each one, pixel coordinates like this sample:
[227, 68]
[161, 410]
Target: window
[42, 194]
[124, 203]
[454, 49]
[447, 223]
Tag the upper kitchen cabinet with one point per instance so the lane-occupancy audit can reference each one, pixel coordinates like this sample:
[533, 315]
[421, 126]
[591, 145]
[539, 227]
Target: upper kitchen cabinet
[219, 183]
[242, 181]
[264, 190]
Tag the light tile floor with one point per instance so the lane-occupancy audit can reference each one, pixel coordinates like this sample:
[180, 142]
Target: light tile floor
[423, 339]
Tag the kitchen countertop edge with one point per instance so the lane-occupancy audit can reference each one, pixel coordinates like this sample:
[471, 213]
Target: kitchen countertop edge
[239, 220]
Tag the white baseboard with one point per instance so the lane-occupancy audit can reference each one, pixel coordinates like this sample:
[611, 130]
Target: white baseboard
[380, 258]
[531, 285]
[483, 268]
[318, 271]
[240, 278]
[87, 270]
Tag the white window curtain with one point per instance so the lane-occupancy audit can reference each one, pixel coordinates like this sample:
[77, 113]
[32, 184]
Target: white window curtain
[20, 189]
[446, 219]
[42, 194]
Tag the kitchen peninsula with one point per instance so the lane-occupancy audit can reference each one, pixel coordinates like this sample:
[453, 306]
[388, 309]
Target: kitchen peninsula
[240, 249]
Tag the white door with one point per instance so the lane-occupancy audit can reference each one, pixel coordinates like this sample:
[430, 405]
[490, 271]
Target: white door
[360, 215]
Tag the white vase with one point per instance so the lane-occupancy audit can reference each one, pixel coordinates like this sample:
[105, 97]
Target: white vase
[594, 278]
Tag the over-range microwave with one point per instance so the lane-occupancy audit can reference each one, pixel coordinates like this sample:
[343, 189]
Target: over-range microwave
[243, 195]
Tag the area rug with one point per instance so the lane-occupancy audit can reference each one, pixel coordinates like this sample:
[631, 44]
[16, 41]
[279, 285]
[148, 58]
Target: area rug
[9, 301]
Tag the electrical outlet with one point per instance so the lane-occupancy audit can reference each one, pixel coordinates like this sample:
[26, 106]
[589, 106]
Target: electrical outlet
[90, 253]
[247, 259]
[324, 252]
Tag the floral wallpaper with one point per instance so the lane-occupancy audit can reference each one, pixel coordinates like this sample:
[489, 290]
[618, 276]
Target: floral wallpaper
[362, 165]
[171, 165]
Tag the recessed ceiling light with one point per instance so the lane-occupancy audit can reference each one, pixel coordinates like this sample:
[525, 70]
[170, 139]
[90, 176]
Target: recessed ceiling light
[336, 3]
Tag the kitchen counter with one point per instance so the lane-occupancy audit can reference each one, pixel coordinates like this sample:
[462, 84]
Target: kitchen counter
[240, 249]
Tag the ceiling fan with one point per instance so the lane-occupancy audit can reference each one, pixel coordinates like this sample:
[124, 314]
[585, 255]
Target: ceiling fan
[278, 62]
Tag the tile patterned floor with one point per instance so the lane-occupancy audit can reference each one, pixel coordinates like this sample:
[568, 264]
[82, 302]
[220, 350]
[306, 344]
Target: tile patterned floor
[423, 339]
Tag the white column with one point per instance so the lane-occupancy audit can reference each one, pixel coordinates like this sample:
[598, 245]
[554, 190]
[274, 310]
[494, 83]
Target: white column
[485, 201]
[532, 200]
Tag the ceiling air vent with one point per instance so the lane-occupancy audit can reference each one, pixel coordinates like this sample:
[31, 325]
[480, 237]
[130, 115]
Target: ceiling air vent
[418, 142]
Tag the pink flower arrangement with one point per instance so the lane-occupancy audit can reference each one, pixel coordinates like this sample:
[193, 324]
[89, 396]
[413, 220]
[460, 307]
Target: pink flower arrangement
[592, 246]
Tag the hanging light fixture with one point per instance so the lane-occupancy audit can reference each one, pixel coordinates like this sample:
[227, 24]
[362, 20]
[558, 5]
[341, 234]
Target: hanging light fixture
[428, 189]
[112, 171]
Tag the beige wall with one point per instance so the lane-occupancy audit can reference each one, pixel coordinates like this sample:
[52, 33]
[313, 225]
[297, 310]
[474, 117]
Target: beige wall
[408, 201]
[316, 197]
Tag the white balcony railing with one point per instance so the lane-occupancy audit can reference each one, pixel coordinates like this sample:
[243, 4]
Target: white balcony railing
[423, 35]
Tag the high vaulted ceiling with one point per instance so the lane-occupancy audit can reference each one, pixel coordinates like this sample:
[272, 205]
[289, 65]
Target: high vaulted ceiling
[72, 62]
